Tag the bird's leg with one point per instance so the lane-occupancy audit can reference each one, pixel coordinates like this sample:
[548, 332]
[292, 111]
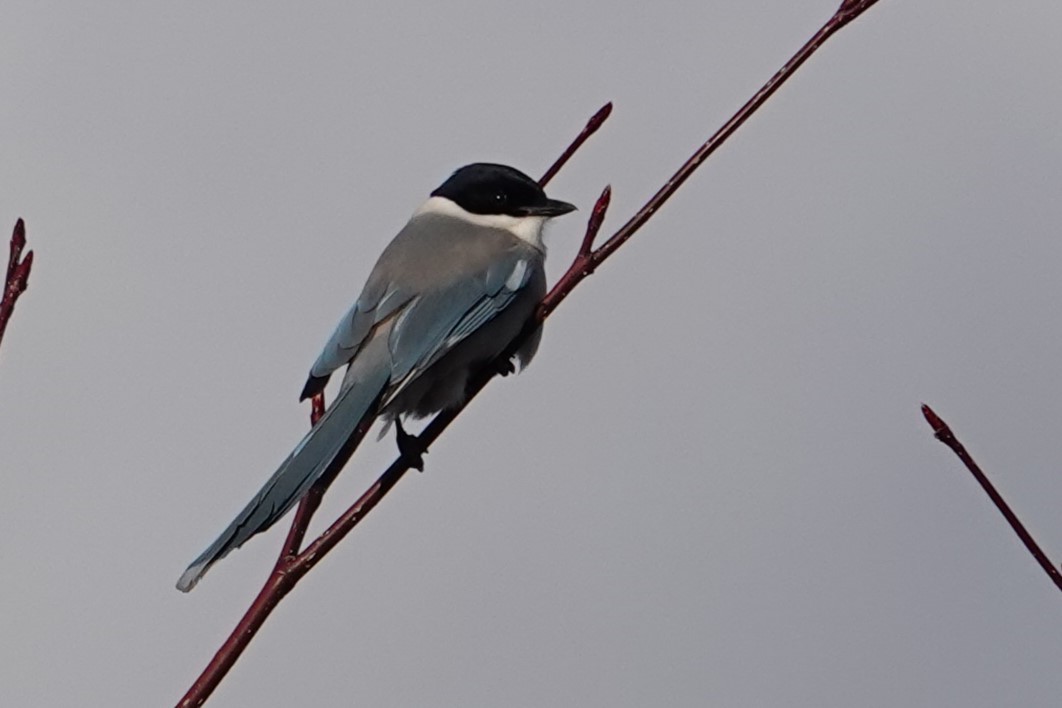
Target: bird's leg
[409, 446]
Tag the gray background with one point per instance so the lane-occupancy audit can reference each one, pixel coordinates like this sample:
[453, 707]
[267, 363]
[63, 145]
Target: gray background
[713, 487]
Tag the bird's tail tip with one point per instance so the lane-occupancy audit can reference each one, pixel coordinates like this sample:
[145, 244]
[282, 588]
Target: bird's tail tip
[191, 577]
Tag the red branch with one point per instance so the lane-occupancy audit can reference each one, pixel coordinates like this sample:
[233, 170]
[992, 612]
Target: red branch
[942, 431]
[293, 565]
[18, 270]
[592, 125]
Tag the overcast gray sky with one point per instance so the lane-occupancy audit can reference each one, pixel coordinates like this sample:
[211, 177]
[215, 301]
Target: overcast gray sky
[713, 487]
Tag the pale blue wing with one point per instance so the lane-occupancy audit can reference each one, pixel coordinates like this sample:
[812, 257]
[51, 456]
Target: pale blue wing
[440, 319]
[377, 302]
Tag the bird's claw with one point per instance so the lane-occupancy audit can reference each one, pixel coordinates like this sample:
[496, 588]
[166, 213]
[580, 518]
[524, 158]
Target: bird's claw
[410, 447]
[504, 367]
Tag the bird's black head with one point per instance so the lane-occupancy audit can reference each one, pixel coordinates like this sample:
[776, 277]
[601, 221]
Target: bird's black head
[486, 188]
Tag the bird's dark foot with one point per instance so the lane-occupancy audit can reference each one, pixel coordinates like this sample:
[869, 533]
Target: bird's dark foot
[410, 447]
[504, 367]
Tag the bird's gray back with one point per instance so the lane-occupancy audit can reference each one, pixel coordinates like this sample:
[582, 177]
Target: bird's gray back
[440, 278]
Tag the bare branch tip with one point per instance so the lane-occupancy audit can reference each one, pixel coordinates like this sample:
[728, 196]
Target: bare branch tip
[941, 430]
[851, 9]
[601, 207]
[933, 419]
[602, 204]
[18, 267]
[593, 224]
[600, 117]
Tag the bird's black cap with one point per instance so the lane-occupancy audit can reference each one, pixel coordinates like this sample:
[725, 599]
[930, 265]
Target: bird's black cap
[487, 188]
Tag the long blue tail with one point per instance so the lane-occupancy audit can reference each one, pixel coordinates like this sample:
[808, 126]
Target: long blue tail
[304, 466]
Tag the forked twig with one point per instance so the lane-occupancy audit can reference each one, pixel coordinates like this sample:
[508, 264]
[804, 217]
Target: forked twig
[293, 565]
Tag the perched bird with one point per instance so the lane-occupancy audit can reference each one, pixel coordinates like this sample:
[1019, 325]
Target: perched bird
[447, 296]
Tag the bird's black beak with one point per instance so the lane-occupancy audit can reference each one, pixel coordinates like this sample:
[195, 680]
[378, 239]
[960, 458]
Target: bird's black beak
[552, 207]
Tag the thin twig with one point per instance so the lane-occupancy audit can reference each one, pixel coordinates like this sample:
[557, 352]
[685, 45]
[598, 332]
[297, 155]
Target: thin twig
[942, 431]
[592, 126]
[848, 11]
[290, 569]
[17, 277]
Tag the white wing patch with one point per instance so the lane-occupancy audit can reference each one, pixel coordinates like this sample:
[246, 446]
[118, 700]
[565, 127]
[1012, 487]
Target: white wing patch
[382, 304]
[404, 315]
[518, 277]
[488, 307]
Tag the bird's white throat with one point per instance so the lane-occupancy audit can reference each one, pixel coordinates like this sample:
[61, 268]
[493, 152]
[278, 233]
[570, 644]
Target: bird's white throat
[526, 228]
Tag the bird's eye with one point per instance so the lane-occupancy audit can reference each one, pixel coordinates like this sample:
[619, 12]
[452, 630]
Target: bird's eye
[500, 198]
